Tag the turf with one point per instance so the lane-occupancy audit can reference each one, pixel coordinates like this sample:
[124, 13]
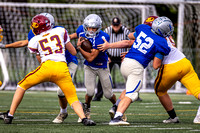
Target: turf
[38, 109]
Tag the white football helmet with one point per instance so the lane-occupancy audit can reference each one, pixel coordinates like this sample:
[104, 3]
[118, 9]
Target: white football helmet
[92, 21]
[163, 26]
[50, 17]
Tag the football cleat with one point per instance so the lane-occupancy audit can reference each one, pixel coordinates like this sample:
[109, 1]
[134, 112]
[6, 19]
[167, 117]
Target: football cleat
[60, 118]
[112, 112]
[79, 120]
[86, 111]
[1, 115]
[7, 119]
[170, 120]
[118, 121]
[197, 119]
[88, 122]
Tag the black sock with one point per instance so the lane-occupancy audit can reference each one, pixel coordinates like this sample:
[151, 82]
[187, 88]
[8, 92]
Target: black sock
[172, 113]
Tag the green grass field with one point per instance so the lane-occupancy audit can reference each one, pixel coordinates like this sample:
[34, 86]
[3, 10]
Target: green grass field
[38, 109]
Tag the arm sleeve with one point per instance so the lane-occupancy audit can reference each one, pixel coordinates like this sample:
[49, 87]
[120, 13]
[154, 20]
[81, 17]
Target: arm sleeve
[66, 37]
[30, 35]
[135, 34]
[159, 55]
[79, 30]
[32, 46]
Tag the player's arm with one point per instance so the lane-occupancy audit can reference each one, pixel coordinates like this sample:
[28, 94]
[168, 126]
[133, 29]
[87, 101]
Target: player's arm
[157, 61]
[120, 44]
[73, 36]
[70, 48]
[88, 56]
[131, 36]
[38, 57]
[17, 44]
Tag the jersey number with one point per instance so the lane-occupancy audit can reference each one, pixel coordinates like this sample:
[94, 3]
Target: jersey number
[52, 38]
[142, 47]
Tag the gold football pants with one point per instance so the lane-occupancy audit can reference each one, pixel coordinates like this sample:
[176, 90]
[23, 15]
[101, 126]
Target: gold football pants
[182, 71]
[51, 71]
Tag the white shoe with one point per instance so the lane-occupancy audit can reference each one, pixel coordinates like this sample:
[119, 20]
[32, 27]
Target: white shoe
[118, 122]
[79, 120]
[170, 120]
[197, 119]
[60, 118]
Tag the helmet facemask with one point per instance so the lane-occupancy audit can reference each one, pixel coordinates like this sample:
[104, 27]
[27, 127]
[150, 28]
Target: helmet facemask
[92, 21]
[40, 24]
[163, 26]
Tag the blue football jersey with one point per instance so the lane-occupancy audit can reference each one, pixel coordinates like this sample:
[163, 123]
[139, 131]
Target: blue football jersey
[101, 60]
[69, 57]
[146, 45]
[80, 30]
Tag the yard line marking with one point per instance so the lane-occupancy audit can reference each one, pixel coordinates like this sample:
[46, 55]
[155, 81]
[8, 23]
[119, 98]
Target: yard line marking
[139, 126]
[185, 102]
[181, 128]
[195, 130]
[33, 120]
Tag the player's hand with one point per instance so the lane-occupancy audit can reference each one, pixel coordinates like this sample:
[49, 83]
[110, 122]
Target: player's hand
[123, 54]
[109, 60]
[2, 46]
[104, 46]
[79, 42]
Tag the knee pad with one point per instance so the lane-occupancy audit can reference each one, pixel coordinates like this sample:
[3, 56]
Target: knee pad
[90, 92]
[107, 94]
[60, 93]
[133, 96]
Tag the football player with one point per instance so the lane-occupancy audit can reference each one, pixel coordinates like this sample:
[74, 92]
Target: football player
[147, 43]
[174, 67]
[131, 36]
[96, 62]
[72, 63]
[50, 43]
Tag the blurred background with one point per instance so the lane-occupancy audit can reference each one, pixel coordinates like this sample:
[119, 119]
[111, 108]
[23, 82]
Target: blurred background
[16, 15]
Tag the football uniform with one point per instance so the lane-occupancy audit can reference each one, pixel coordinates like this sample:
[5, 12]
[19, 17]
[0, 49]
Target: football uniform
[72, 61]
[143, 50]
[176, 68]
[51, 47]
[98, 67]
[69, 57]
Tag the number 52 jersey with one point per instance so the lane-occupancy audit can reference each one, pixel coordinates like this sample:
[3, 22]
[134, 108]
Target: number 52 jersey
[146, 45]
[50, 44]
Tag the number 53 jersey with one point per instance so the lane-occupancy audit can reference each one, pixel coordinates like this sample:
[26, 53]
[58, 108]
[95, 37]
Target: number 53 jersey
[146, 45]
[50, 44]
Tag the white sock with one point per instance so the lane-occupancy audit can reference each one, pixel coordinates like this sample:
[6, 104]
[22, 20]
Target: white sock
[118, 114]
[10, 114]
[63, 110]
